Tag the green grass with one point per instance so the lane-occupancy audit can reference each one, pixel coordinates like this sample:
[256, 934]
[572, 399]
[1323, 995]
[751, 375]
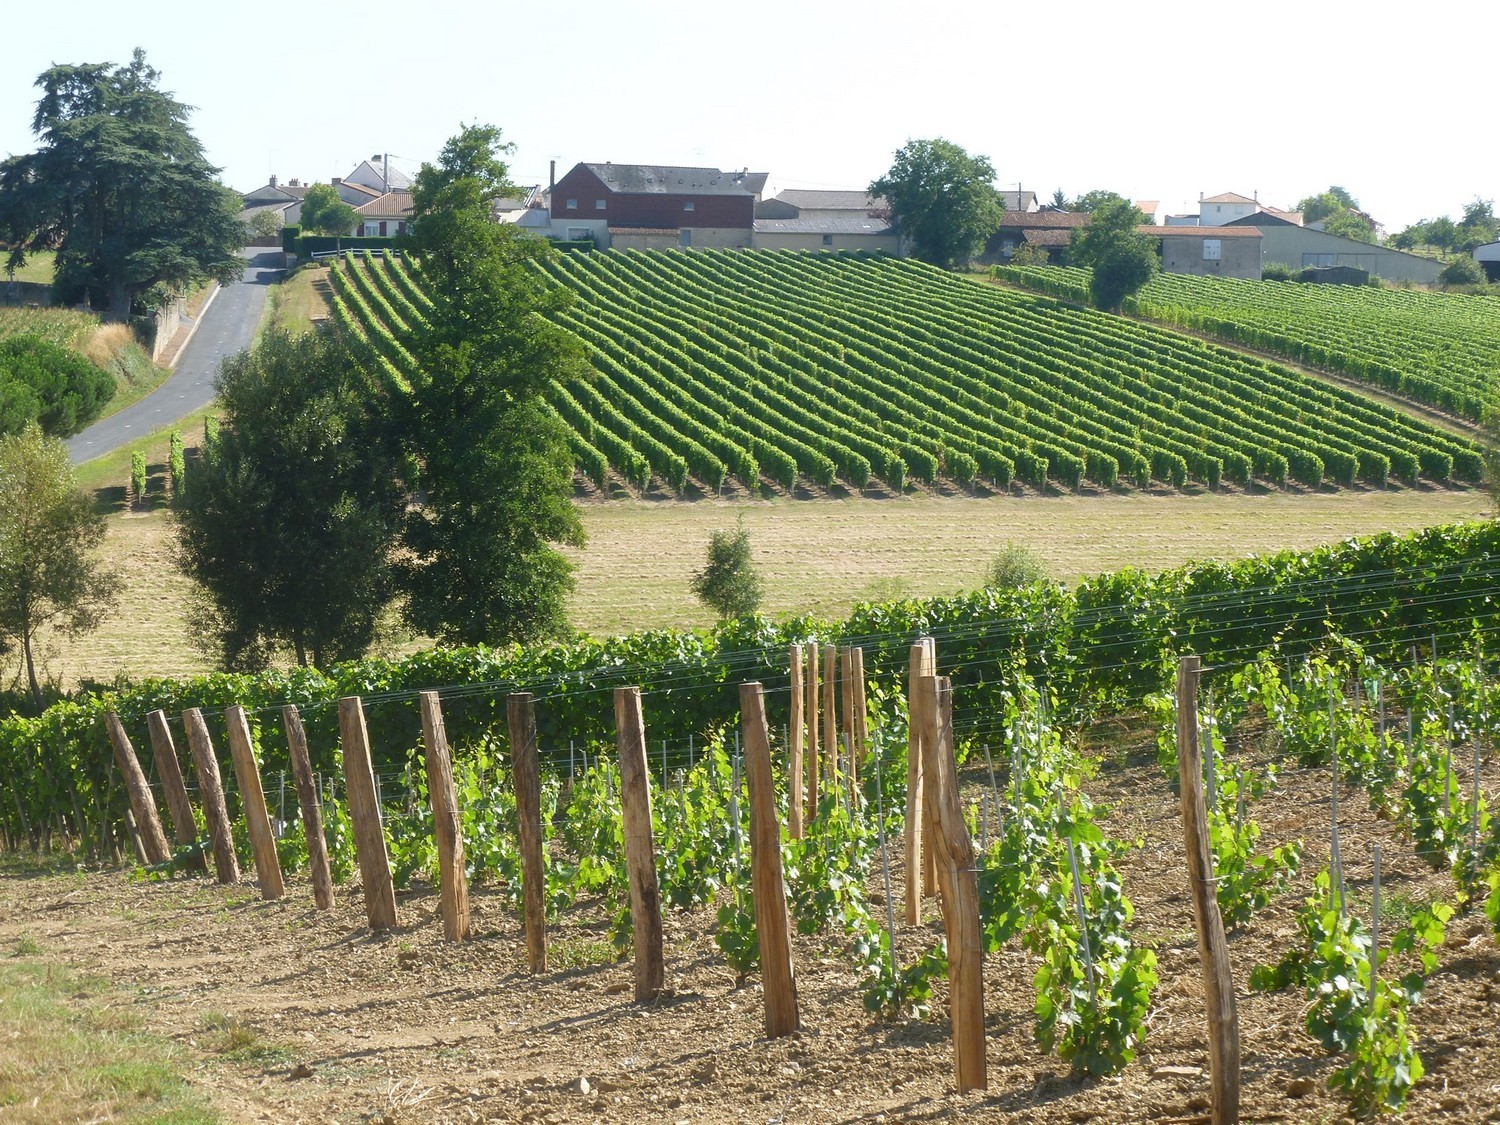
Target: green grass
[107, 476]
[74, 1050]
[295, 304]
[38, 269]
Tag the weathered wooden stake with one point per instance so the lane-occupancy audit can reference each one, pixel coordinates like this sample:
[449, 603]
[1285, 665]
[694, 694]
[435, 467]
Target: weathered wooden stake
[766, 882]
[253, 804]
[169, 770]
[526, 775]
[916, 726]
[312, 809]
[142, 804]
[1213, 951]
[364, 812]
[640, 852]
[953, 852]
[830, 716]
[861, 709]
[453, 882]
[794, 746]
[211, 794]
[814, 764]
[846, 702]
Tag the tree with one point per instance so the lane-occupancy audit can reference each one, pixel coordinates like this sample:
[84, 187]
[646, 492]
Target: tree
[728, 583]
[1462, 271]
[1121, 258]
[1059, 200]
[50, 385]
[1326, 203]
[942, 200]
[323, 212]
[1442, 233]
[1350, 224]
[481, 562]
[120, 189]
[50, 576]
[1091, 201]
[287, 522]
[265, 223]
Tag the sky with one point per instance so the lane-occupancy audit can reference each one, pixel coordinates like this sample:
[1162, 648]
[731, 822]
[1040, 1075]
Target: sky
[1162, 101]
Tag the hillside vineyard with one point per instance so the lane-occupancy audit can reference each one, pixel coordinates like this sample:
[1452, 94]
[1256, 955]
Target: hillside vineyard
[832, 368]
[1442, 349]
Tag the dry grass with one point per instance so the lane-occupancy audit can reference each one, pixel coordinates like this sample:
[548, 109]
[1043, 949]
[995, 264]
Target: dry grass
[816, 556]
[299, 302]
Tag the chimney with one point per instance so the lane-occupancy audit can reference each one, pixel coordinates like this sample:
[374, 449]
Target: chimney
[294, 182]
[552, 176]
[273, 181]
[337, 180]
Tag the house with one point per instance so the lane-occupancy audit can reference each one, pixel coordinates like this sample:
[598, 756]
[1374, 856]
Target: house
[1019, 200]
[380, 175]
[1302, 247]
[1229, 207]
[1150, 208]
[282, 200]
[1228, 251]
[1047, 231]
[1488, 256]
[356, 195]
[825, 220]
[653, 206]
[385, 216]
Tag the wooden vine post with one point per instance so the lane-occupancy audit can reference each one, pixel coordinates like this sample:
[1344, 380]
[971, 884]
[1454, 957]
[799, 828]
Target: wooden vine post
[813, 762]
[253, 804]
[860, 715]
[794, 749]
[846, 703]
[454, 883]
[520, 711]
[211, 794]
[169, 770]
[929, 855]
[640, 852]
[311, 806]
[142, 804]
[364, 811]
[958, 887]
[830, 716]
[768, 887]
[1213, 950]
[916, 726]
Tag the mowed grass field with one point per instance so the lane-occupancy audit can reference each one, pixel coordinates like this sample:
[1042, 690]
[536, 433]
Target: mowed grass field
[817, 557]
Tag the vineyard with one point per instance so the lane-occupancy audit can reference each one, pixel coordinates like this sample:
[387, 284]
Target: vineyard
[1348, 699]
[1434, 348]
[793, 370]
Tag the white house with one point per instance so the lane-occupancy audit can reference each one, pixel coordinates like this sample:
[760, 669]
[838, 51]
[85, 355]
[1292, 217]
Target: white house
[386, 216]
[380, 174]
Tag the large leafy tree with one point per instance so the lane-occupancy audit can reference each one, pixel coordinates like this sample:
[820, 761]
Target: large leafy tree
[323, 212]
[50, 572]
[943, 200]
[287, 522]
[120, 189]
[1339, 213]
[482, 563]
[1120, 257]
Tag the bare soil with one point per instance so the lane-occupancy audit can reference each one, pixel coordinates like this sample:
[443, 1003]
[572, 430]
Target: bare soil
[348, 1027]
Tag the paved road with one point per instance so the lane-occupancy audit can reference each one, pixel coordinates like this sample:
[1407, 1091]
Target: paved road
[228, 327]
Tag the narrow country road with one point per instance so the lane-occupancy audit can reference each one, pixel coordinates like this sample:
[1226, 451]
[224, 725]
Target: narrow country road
[228, 327]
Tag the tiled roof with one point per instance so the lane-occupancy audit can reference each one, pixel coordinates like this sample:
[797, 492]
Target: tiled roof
[1043, 220]
[1048, 237]
[363, 189]
[809, 200]
[667, 179]
[1227, 197]
[393, 204]
[851, 225]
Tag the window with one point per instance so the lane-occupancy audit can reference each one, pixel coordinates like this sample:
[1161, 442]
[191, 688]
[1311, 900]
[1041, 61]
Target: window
[1316, 260]
[1210, 249]
[685, 237]
[382, 228]
[828, 240]
[1007, 247]
[688, 206]
[572, 205]
[598, 205]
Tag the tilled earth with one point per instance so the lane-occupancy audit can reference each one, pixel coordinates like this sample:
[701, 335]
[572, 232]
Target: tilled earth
[334, 1024]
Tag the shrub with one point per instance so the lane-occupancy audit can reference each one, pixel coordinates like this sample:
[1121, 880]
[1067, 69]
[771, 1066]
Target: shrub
[138, 477]
[728, 583]
[51, 385]
[1277, 271]
[1016, 567]
[1462, 271]
[177, 463]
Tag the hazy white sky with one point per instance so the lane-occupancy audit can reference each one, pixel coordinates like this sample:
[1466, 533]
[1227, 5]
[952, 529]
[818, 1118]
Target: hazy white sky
[1155, 101]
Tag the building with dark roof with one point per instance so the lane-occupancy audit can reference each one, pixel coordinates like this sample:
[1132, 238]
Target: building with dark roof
[650, 206]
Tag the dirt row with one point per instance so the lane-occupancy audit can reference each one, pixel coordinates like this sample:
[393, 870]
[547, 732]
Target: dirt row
[334, 1024]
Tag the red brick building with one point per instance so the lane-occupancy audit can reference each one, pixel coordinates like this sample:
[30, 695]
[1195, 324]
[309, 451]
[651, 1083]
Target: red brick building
[654, 205]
